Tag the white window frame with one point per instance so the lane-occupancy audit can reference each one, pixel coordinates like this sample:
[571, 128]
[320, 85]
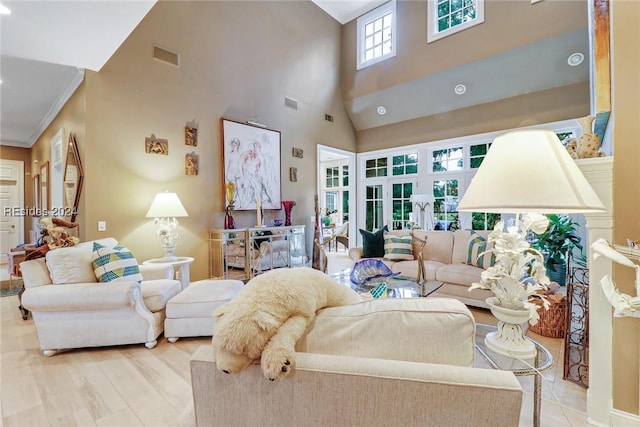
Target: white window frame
[432, 21]
[426, 176]
[377, 13]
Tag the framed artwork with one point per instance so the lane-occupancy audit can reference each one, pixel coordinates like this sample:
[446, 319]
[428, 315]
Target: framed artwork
[44, 186]
[153, 145]
[191, 161]
[252, 163]
[36, 194]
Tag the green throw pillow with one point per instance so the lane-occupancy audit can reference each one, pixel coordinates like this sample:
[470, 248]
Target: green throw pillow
[478, 245]
[373, 243]
[397, 248]
[112, 263]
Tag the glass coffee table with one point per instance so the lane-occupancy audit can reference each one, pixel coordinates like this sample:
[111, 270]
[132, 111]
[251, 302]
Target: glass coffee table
[397, 286]
[533, 366]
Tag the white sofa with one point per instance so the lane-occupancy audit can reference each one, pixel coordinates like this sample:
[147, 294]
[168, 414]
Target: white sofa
[71, 309]
[444, 258]
[404, 362]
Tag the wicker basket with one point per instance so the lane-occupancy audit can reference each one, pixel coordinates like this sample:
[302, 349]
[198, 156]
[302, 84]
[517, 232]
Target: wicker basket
[552, 322]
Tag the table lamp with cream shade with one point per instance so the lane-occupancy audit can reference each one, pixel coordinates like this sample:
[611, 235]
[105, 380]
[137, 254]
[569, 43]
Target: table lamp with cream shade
[165, 208]
[526, 173]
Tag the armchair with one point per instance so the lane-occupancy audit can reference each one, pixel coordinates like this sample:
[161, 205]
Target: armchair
[72, 309]
[339, 235]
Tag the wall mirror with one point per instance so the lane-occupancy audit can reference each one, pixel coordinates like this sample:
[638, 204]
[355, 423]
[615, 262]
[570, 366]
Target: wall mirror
[73, 176]
[44, 187]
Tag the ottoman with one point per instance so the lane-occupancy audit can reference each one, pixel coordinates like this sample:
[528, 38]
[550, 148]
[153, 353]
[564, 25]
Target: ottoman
[190, 313]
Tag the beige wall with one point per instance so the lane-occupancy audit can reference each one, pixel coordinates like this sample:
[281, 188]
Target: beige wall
[238, 60]
[626, 198]
[546, 106]
[508, 25]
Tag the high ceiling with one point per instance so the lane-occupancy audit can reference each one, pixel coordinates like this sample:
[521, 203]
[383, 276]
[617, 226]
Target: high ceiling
[46, 45]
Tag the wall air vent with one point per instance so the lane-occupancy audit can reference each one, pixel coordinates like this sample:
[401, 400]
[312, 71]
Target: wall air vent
[291, 103]
[328, 117]
[165, 55]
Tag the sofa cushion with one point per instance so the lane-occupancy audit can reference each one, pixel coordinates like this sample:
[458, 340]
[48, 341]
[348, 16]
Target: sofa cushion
[70, 265]
[113, 263]
[397, 248]
[373, 243]
[397, 329]
[459, 274]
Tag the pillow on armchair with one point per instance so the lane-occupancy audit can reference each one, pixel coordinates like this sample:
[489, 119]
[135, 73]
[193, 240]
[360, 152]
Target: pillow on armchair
[70, 265]
[114, 263]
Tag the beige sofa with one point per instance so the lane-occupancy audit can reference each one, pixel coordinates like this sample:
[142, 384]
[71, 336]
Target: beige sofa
[444, 258]
[404, 362]
[72, 309]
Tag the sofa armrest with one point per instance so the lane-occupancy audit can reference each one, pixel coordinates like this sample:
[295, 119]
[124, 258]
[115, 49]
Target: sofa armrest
[156, 271]
[81, 296]
[359, 391]
[356, 253]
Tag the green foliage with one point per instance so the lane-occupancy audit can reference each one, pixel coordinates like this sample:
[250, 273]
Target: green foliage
[559, 238]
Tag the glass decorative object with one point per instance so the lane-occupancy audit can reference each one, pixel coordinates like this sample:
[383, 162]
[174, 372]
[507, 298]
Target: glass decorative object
[288, 205]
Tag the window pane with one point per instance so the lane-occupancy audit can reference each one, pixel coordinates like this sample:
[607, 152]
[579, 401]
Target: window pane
[377, 51]
[382, 172]
[368, 29]
[386, 35]
[456, 19]
[345, 206]
[443, 9]
[469, 2]
[387, 21]
[478, 150]
[476, 162]
[443, 23]
[469, 13]
[386, 48]
[377, 25]
[382, 162]
[456, 5]
[368, 43]
[412, 169]
[368, 56]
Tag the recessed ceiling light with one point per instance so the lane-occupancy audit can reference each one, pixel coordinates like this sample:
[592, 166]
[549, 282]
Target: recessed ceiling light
[381, 110]
[460, 89]
[4, 10]
[575, 59]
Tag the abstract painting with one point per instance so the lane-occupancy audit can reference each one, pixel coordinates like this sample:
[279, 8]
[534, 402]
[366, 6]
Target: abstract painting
[252, 163]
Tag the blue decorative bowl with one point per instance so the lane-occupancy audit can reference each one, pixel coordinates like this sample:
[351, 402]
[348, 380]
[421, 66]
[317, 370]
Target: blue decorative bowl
[369, 271]
[276, 222]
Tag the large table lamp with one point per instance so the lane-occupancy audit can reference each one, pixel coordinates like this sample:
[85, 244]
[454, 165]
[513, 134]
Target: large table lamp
[524, 172]
[165, 208]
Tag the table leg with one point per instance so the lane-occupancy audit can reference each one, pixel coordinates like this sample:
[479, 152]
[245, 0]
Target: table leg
[537, 388]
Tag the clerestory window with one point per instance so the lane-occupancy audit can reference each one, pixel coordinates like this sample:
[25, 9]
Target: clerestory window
[446, 17]
[377, 35]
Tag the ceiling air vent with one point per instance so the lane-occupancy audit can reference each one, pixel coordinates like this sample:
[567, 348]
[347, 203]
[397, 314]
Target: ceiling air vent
[328, 117]
[291, 103]
[165, 55]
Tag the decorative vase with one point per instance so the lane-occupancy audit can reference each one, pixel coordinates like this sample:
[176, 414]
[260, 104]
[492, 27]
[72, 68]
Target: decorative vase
[559, 274]
[509, 339]
[230, 192]
[288, 205]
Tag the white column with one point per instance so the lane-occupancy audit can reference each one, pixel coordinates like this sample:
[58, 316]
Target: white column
[599, 173]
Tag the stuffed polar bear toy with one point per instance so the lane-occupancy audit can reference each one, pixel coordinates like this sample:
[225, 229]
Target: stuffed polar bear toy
[268, 316]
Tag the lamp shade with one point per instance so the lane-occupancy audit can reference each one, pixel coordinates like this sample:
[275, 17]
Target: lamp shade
[529, 171]
[166, 205]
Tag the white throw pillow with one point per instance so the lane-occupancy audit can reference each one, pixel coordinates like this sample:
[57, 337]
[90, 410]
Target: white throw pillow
[70, 265]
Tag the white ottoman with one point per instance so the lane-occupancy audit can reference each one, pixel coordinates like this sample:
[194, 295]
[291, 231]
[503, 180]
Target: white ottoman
[190, 313]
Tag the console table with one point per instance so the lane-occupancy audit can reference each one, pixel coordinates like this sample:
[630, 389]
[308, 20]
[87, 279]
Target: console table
[242, 253]
[520, 367]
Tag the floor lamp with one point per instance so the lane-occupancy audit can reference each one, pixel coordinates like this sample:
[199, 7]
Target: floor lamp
[425, 203]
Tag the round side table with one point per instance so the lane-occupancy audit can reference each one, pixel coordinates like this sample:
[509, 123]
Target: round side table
[180, 265]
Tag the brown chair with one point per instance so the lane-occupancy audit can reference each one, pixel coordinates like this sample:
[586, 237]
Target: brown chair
[340, 235]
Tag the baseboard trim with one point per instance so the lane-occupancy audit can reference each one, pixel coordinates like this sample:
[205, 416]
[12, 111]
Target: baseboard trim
[624, 419]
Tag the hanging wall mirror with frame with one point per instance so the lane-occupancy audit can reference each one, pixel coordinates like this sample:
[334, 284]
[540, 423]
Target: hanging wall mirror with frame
[73, 177]
[44, 187]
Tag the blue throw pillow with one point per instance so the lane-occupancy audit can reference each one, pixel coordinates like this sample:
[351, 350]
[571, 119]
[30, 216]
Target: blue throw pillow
[373, 243]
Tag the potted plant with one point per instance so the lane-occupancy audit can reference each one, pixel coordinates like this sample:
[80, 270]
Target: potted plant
[555, 243]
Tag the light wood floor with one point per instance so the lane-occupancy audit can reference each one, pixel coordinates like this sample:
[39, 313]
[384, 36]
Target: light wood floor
[133, 386]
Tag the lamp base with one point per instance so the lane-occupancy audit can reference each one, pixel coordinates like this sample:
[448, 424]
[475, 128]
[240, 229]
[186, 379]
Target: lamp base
[509, 339]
